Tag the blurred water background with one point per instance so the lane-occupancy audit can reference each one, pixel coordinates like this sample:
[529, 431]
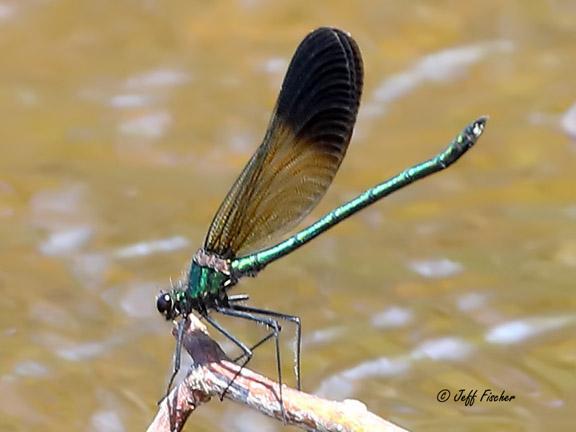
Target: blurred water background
[124, 123]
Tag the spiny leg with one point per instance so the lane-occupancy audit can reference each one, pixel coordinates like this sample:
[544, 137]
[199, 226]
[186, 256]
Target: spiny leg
[247, 351]
[275, 331]
[177, 356]
[256, 345]
[292, 318]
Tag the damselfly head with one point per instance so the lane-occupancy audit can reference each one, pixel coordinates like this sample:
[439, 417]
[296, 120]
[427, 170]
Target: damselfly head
[166, 305]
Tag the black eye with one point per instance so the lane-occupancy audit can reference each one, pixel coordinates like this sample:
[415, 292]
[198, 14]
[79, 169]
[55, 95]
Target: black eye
[164, 304]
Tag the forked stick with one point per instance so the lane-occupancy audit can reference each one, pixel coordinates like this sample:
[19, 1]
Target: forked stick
[212, 371]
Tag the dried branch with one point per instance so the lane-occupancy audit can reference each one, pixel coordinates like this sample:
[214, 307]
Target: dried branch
[211, 373]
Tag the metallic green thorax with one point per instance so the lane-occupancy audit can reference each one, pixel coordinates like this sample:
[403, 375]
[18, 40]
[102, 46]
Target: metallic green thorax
[209, 276]
[459, 145]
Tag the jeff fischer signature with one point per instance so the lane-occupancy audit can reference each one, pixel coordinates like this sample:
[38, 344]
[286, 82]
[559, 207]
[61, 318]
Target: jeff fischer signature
[469, 396]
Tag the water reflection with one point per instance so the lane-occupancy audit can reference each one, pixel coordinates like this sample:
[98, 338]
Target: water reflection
[517, 331]
[568, 121]
[440, 67]
[151, 247]
[345, 383]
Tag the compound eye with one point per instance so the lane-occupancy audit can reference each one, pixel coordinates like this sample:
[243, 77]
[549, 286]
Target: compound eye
[164, 304]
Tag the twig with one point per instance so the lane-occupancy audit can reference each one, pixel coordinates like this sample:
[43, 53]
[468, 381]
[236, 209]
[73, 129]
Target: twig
[211, 373]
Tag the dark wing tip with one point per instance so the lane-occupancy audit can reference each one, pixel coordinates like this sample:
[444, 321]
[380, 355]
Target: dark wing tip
[321, 91]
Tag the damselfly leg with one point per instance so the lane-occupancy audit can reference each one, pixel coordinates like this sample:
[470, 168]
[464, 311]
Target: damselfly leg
[283, 316]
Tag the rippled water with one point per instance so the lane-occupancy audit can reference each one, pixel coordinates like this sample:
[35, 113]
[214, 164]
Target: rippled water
[123, 125]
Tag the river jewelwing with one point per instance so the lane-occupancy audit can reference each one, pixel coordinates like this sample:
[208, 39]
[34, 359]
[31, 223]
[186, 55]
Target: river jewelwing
[289, 173]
